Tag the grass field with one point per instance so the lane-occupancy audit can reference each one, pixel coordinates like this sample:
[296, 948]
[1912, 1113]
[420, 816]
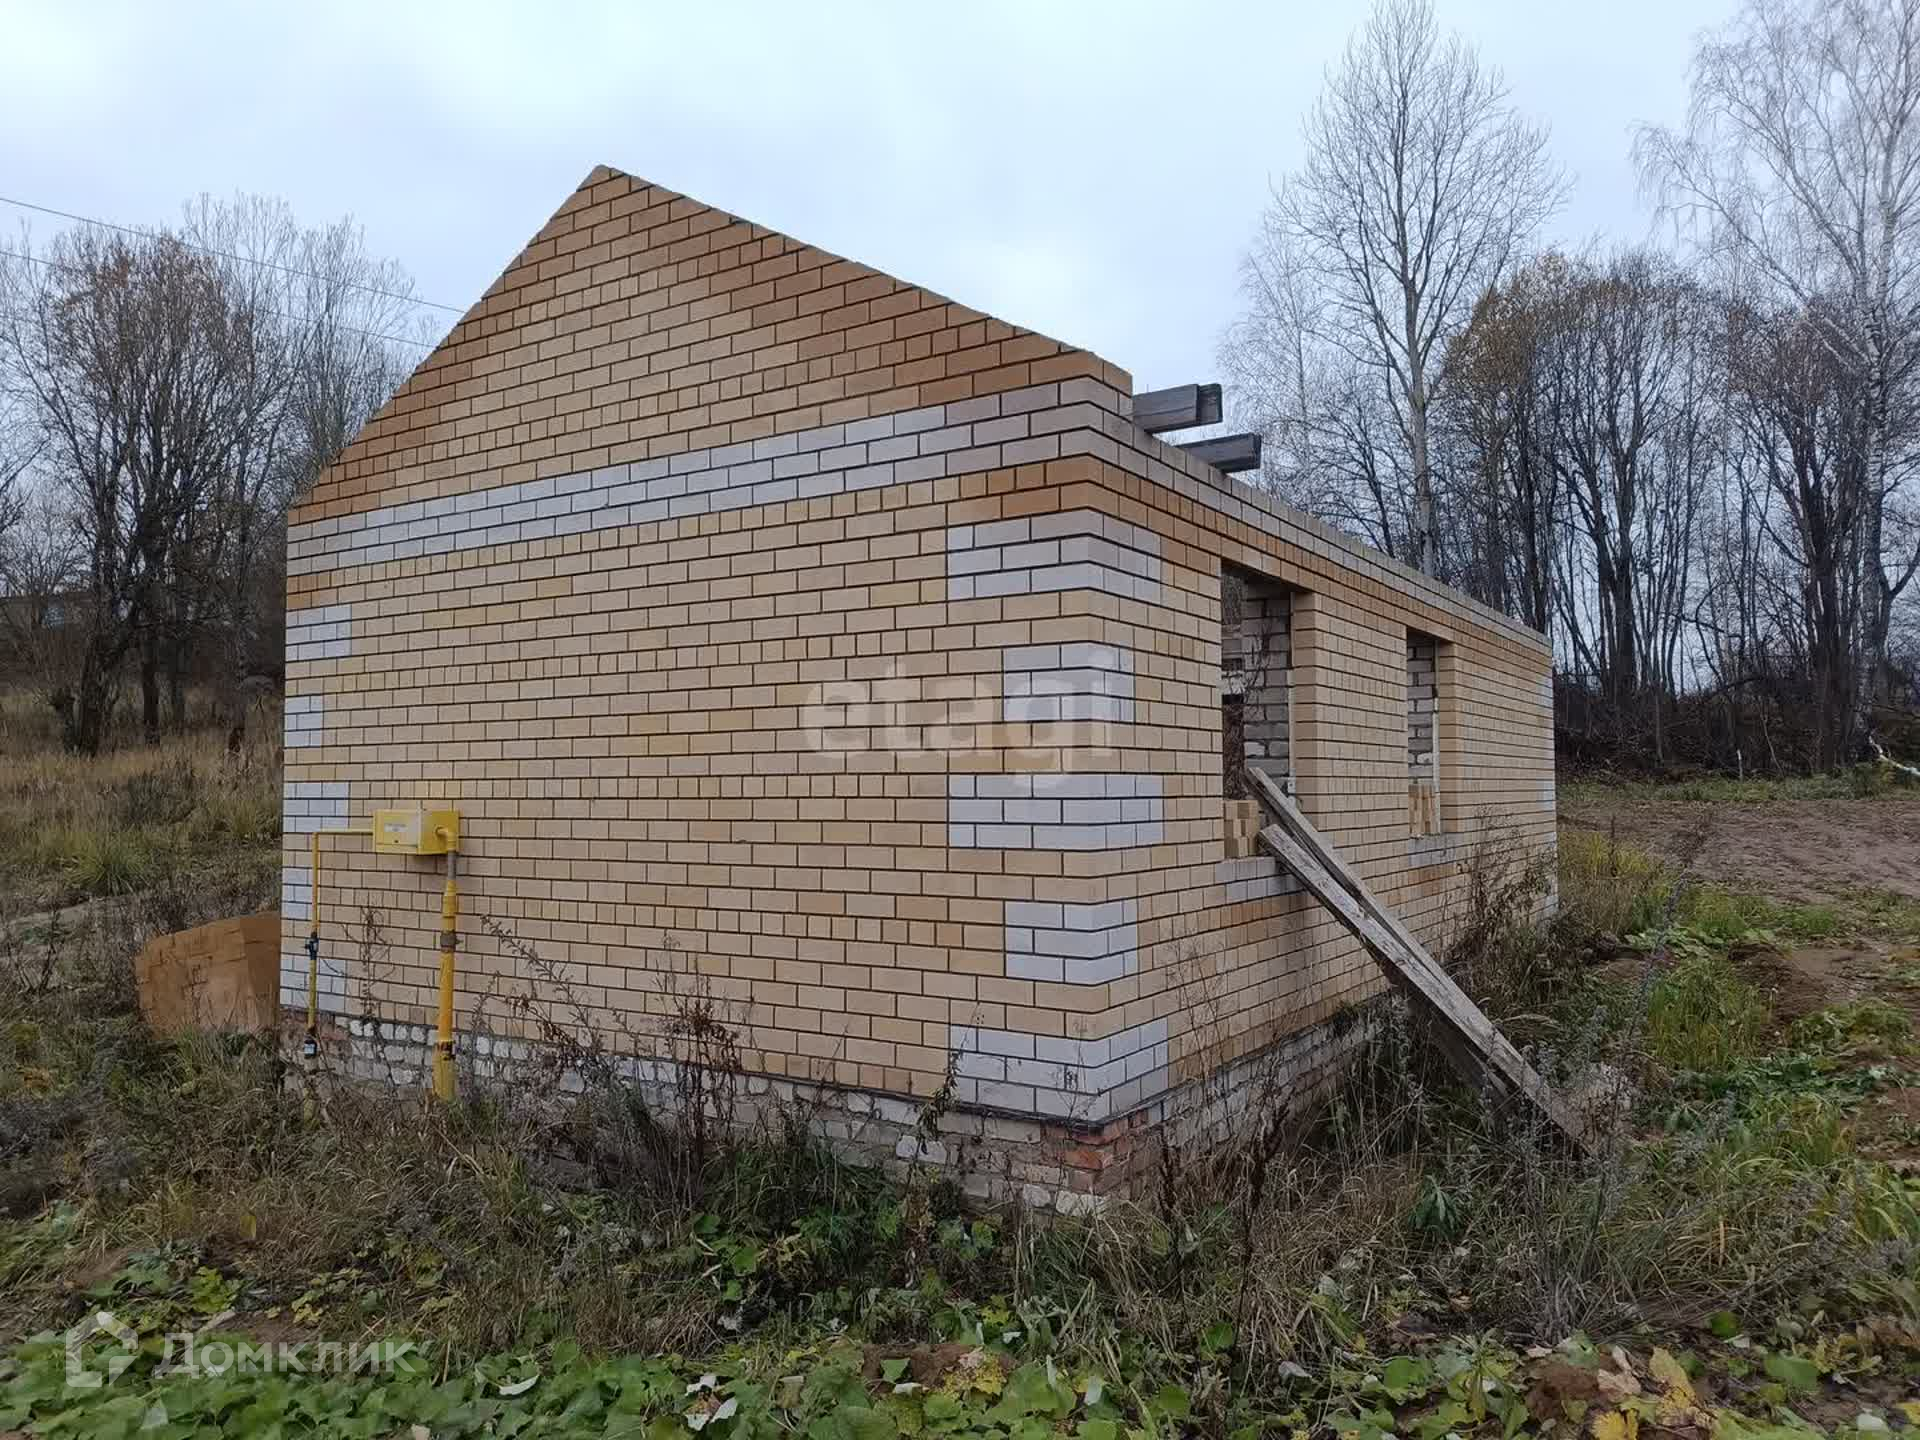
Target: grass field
[184, 822]
[1739, 1257]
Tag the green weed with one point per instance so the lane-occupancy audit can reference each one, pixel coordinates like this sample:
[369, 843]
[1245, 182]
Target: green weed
[1887, 911]
[1607, 888]
[1807, 922]
[1768, 1078]
[1701, 1014]
[105, 863]
[1728, 917]
[1865, 1023]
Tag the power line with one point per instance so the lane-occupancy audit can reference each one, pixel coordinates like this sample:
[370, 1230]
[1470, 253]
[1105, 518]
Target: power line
[307, 320]
[226, 255]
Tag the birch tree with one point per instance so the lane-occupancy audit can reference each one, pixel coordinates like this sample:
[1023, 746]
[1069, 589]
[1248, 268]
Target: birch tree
[1799, 173]
[1420, 187]
[1331, 441]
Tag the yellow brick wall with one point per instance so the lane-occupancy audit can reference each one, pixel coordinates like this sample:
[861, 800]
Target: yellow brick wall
[1237, 970]
[793, 635]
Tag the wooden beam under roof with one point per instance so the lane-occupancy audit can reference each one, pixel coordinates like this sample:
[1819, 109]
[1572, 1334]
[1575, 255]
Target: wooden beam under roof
[1227, 452]
[1180, 408]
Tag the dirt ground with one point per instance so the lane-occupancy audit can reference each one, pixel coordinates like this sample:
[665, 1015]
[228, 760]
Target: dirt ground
[1805, 851]
[1814, 852]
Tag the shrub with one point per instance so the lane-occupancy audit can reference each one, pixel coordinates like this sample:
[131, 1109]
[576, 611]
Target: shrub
[163, 795]
[110, 862]
[1496, 950]
[1608, 889]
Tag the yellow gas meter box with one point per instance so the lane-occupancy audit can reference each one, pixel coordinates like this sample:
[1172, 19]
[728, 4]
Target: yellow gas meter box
[416, 832]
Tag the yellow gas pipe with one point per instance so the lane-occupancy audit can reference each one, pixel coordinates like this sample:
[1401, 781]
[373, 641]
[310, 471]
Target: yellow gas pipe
[312, 1046]
[448, 835]
[443, 1085]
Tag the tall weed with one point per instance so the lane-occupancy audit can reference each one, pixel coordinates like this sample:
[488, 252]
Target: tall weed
[1606, 888]
[109, 862]
[181, 815]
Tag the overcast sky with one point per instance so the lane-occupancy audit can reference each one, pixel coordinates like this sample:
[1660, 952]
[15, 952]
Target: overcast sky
[1091, 171]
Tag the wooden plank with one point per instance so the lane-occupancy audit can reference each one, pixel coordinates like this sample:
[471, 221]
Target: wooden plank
[1178, 408]
[1471, 1041]
[1294, 819]
[1385, 948]
[1227, 452]
[1315, 844]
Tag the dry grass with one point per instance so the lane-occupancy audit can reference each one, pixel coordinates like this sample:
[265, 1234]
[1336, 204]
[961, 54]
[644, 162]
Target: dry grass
[550, 1210]
[185, 813]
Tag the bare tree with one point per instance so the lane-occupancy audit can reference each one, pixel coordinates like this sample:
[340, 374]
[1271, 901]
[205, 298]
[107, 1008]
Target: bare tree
[1616, 398]
[40, 568]
[177, 390]
[1696, 473]
[1800, 172]
[355, 333]
[127, 350]
[18, 446]
[205, 614]
[360, 335]
[1506, 500]
[1803, 414]
[1421, 184]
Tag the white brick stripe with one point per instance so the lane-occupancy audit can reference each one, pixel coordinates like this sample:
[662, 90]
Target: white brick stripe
[1078, 417]
[296, 892]
[1047, 811]
[1039, 554]
[1047, 1075]
[311, 805]
[305, 717]
[321, 632]
[1258, 877]
[296, 904]
[1072, 944]
[964, 438]
[293, 982]
[1082, 681]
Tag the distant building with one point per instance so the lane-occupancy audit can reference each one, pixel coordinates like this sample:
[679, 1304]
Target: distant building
[33, 625]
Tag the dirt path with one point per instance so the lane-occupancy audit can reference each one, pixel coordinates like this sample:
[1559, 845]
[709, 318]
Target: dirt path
[1806, 851]
[71, 918]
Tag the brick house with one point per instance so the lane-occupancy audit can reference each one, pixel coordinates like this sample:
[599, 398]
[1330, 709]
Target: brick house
[782, 628]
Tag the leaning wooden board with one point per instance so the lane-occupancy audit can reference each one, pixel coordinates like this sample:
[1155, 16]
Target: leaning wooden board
[1470, 1040]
